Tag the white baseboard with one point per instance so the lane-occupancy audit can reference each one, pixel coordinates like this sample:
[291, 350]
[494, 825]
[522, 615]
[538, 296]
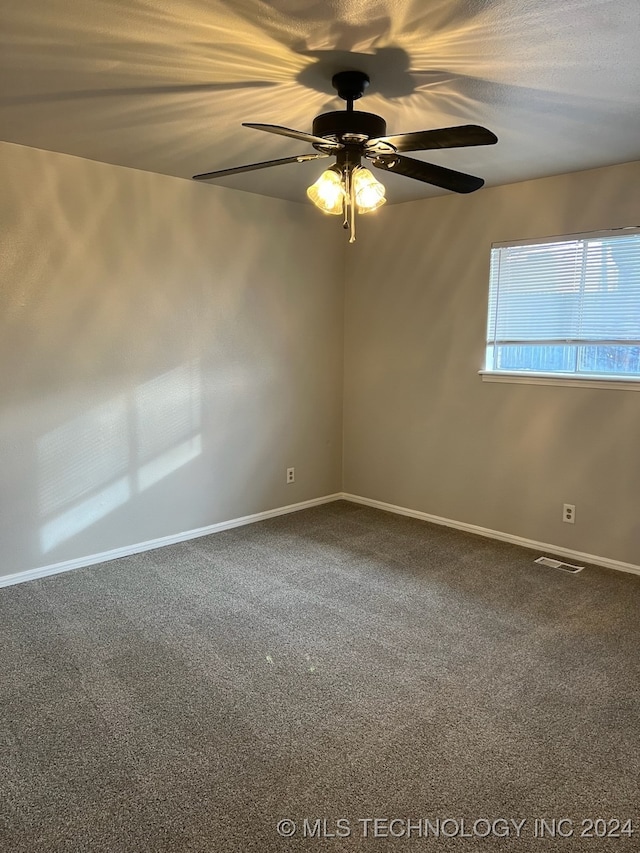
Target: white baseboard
[618, 565]
[127, 550]
[116, 553]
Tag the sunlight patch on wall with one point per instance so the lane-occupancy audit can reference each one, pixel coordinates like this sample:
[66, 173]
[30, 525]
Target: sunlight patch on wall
[168, 414]
[82, 455]
[84, 514]
[167, 409]
[160, 467]
[100, 460]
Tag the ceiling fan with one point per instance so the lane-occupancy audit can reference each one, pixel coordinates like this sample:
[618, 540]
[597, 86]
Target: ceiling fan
[350, 136]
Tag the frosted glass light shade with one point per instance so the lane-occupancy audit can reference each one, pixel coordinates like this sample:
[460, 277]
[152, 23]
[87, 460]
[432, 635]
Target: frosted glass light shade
[369, 193]
[328, 192]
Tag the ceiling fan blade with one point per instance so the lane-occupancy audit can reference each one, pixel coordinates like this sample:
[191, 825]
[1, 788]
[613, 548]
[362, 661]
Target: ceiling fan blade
[294, 134]
[236, 170]
[444, 137]
[458, 182]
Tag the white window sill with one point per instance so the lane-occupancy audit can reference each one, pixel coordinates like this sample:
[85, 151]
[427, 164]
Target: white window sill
[554, 379]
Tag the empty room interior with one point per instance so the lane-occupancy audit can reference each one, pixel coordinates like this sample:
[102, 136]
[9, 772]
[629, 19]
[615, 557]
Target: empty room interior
[275, 481]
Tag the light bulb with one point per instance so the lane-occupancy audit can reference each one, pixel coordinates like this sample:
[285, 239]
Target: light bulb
[369, 193]
[328, 192]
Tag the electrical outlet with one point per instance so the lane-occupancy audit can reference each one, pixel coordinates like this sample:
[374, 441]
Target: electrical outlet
[569, 513]
[291, 475]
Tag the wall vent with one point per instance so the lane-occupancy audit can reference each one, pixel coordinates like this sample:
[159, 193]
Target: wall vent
[557, 564]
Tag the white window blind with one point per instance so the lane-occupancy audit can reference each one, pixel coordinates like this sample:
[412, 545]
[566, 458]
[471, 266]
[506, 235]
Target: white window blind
[566, 306]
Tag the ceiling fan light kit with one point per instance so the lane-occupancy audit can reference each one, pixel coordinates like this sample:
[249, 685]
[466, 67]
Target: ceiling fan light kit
[347, 187]
[328, 192]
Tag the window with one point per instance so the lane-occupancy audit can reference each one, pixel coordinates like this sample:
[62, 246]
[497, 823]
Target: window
[566, 306]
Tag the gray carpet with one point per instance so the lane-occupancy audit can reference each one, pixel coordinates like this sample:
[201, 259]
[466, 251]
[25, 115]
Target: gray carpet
[339, 663]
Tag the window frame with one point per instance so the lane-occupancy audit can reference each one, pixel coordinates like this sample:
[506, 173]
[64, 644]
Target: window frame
[533, 377]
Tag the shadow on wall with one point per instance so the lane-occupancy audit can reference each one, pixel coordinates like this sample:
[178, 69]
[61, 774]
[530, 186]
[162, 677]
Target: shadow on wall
[97, 462]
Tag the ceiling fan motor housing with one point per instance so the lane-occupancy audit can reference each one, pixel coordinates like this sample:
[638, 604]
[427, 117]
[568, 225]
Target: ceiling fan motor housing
[350, 85]
[346, 126]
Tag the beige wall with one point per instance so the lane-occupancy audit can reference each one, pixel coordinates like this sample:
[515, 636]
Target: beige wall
[166, 351]
[423, 431]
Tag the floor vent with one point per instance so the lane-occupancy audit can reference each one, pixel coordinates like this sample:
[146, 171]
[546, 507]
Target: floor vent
[557, 564]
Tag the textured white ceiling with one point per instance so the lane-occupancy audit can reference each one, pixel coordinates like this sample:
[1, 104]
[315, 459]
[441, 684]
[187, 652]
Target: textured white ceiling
[164, 86]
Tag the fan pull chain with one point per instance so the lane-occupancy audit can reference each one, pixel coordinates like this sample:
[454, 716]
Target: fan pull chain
[345, 202]
[352, 204]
